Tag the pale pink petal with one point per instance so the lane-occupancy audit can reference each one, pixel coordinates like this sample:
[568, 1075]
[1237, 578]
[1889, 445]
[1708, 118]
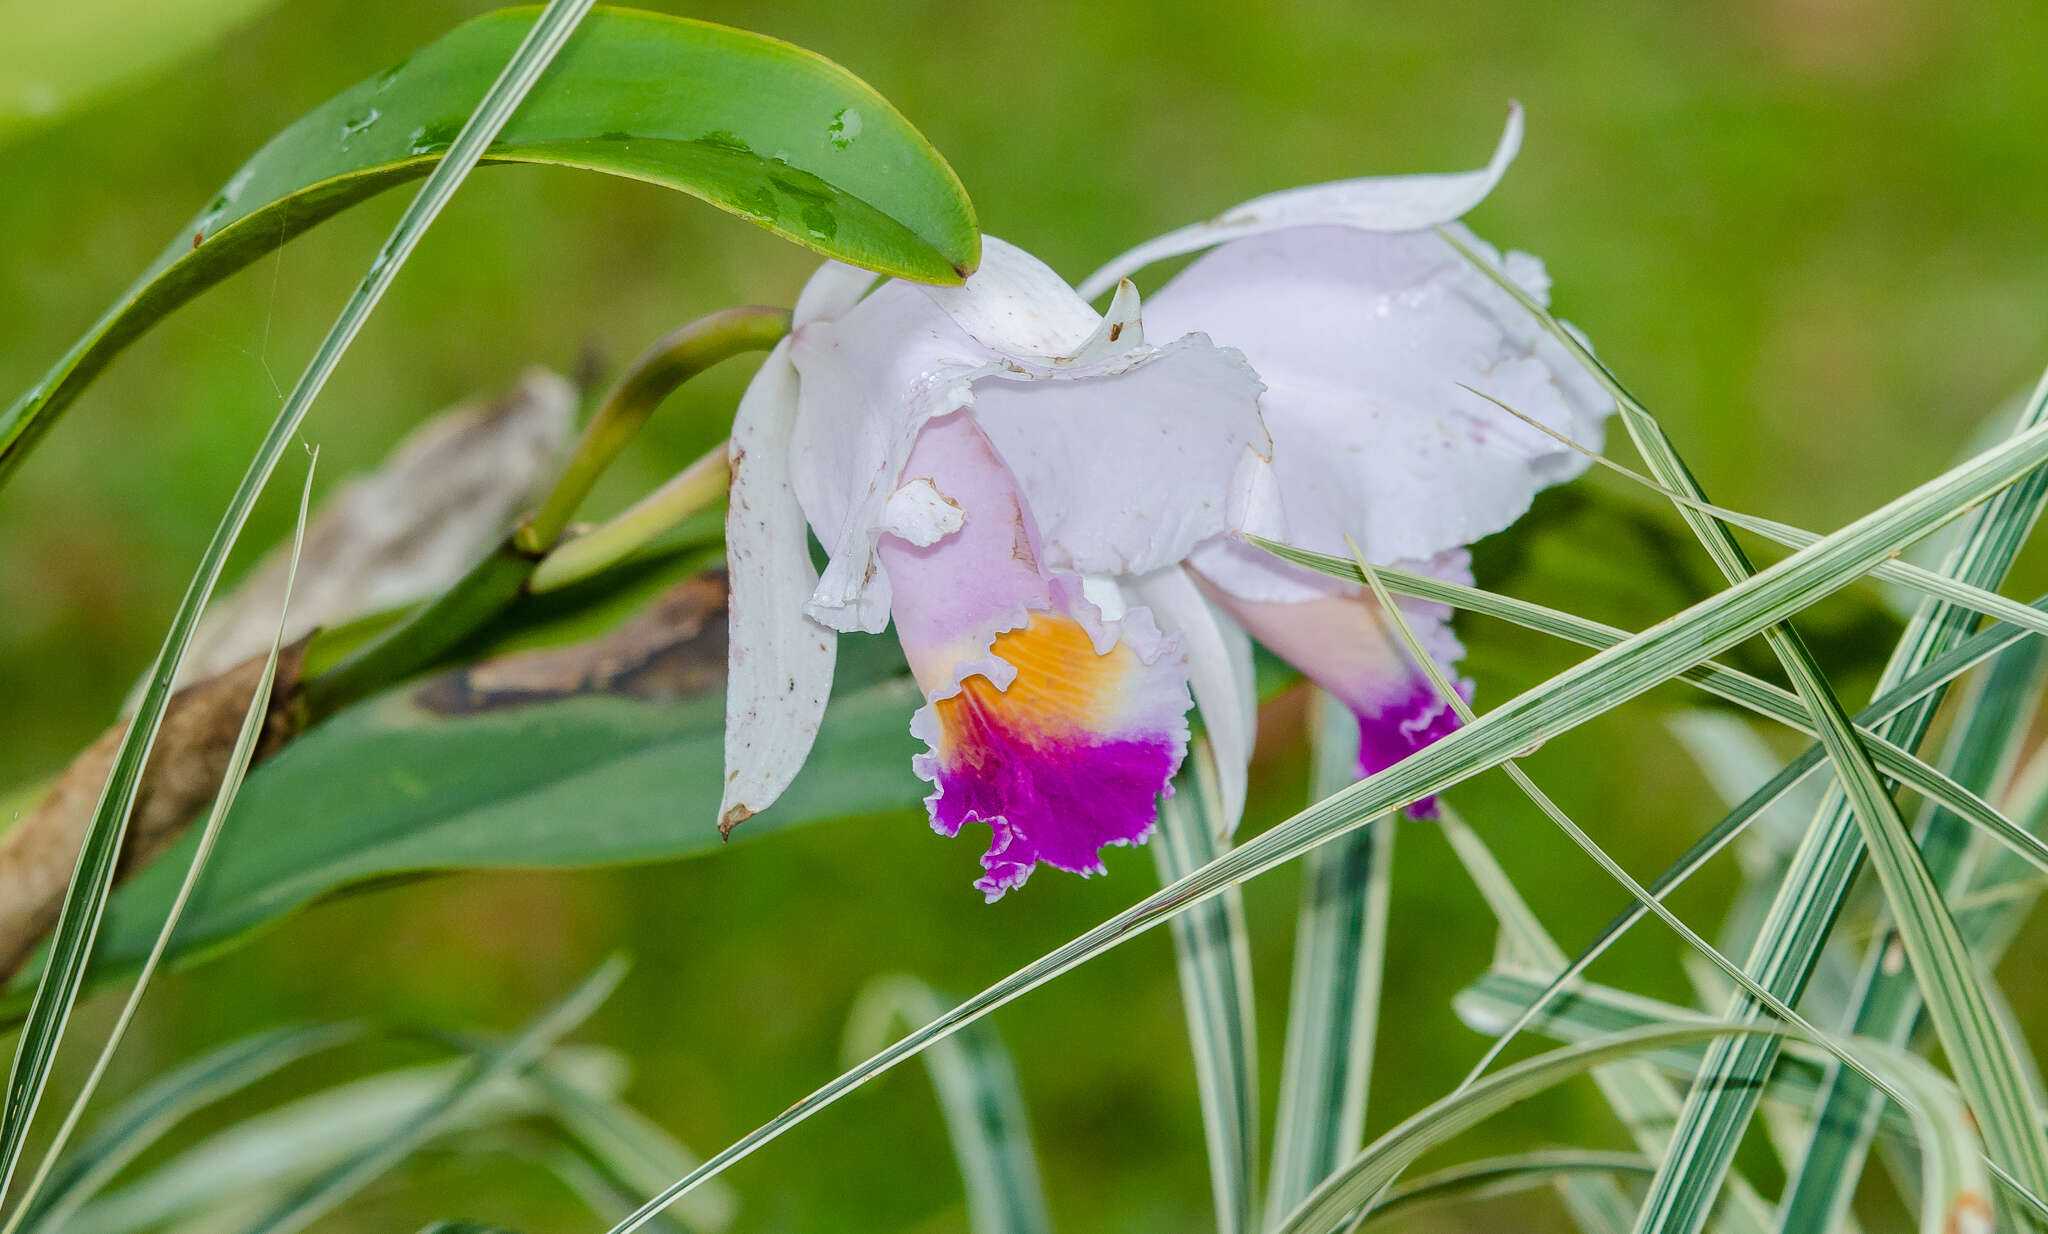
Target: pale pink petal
[1374, 203]
[1344, 643]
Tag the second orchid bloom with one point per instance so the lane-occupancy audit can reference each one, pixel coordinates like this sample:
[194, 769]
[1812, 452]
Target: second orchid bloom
[1050, 503]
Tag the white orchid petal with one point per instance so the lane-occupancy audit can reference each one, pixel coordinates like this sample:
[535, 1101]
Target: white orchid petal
[778, 661]
[1375, 203]
[1366, 341]
[1015, 304]
[1129, 464]
[871, 379]
[1219, 672]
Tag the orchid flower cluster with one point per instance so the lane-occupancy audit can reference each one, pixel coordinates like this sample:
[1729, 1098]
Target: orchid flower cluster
[1051, 504]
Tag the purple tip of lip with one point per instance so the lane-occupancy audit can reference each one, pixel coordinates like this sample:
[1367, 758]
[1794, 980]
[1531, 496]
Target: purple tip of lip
[1407, 723]
[1060, 802]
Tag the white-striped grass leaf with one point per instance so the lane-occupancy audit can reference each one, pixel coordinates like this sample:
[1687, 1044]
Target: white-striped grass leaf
[1737, 761]
[321, 1193]
[239, 757]
[1984, 1058]
[1982, 750]
[1333, 1006]
[245, 1167]
[1493, 1177]
[1586, 844]
[632, 1152]
[1947, 1148]
[1355, 1188]
[979, 1097]
[1596, 685]
[1926, 583]
[1737, 687]
[1950, 1158]
[1212, 952]
[1644, 1101]
[85, 900]
[1858, 809]
[1944, 668]
[141, 1120]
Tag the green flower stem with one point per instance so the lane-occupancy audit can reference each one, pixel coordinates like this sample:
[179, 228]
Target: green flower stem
[654, 376]
[697, 487]
[440, 625]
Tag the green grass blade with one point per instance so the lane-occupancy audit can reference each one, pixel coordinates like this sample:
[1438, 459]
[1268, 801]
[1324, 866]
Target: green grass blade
[1596, 685]
[1888, 1001]
[224, 800]
[313, 1200]
[138, 1122]
[979, 1096]
[1212, 952]
[1333, 1005]
[771, 132]
[85, 900]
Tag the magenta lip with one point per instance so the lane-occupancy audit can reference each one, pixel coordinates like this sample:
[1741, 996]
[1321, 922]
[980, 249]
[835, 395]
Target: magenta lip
[1388, 735]
[1059, 801]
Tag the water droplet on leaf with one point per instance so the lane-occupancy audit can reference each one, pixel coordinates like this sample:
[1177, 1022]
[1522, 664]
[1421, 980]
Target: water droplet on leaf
[845, 127]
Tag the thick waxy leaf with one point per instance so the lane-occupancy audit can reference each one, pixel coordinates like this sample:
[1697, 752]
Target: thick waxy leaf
[602, 753]
[773, 133]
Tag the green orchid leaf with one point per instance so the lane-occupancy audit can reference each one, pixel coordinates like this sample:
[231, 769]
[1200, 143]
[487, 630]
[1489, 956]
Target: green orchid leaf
[771, 132]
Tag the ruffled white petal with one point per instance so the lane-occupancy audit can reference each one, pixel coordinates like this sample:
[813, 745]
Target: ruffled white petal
[1365, 341]
[778, 661]
[1128, 464]
[1069, 429]
[1374, 203]
[1219, 672]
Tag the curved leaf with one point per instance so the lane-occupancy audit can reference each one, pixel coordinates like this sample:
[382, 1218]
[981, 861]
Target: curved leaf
[773, 133]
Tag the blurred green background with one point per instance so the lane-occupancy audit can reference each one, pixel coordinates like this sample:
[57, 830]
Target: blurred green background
[1807, 232]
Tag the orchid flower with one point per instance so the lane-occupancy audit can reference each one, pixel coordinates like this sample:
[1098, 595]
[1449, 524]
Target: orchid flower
[1367, 327]
[979, 463]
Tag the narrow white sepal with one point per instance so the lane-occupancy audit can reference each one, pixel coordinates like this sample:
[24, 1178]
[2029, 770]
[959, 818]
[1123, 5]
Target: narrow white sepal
[1375, 203]
[778, 661]
[1219, 673]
